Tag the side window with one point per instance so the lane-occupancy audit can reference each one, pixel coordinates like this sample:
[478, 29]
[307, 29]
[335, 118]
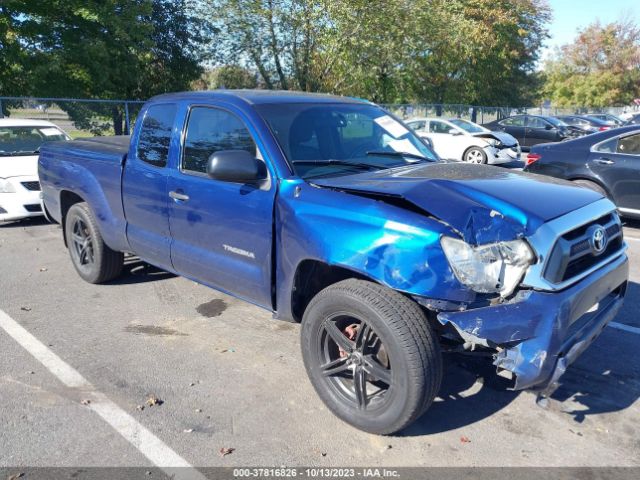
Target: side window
[535, 122]
[630, 145]
[513, 122]
[438, 127]
[155, 134]
[211, 130]
[609, 146]
[416, 125]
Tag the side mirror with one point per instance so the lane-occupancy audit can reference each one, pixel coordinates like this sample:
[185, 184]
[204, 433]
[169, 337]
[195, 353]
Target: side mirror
[237, 166]
[549, 127]
[453, 131]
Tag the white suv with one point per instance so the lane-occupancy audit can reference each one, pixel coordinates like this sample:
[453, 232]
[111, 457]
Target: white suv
[20, 142]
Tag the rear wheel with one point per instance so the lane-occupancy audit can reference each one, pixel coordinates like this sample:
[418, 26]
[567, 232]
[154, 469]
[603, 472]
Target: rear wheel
[592, 186]
[371, 355]
[475, 155]
[94, 261]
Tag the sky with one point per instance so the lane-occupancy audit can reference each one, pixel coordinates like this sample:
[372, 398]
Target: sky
[571, 15]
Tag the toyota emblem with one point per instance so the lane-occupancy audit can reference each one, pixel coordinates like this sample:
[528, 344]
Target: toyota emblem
[599, 240]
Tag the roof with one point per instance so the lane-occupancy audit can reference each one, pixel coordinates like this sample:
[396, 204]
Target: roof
[24, 122]
[256, 97]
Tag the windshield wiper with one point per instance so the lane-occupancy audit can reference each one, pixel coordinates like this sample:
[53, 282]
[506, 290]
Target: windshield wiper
[368, 166]
[398, 154]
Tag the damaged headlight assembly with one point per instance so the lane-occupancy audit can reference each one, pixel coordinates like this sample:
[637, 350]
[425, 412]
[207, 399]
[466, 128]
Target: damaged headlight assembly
[491, 268]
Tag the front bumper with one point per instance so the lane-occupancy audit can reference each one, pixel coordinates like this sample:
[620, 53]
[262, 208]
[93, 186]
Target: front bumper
[539, 334]
[503, 155]
[23, 202]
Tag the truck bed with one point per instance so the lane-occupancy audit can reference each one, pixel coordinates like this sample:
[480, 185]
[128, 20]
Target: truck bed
[92, 169]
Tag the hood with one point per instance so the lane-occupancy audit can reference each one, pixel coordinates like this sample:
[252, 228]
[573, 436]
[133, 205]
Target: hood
[502, 137]
[26, 166]
[483, 203]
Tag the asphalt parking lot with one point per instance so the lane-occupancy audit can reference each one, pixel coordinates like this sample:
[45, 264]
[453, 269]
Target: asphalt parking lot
[229, 376]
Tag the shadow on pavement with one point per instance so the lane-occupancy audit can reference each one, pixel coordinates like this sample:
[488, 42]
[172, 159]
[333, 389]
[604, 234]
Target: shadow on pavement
[137, 271]
[26, 222]
[470, 392]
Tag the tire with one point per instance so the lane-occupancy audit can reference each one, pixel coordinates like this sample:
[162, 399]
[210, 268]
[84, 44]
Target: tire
[395, 354]
[475, 155]
[592, 186]
[94, 261]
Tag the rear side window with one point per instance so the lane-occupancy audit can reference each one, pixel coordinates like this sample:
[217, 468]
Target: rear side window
[513, 122]
[211, 130]
[609, 146]
[155, 134]
[630, 145]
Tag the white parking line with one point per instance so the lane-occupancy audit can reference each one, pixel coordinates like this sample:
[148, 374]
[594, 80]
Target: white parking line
[626, 328]
[146, 442]
[633, 239]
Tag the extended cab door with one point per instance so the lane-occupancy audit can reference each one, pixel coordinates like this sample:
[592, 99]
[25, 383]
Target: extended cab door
[144, 186]
[221, 231]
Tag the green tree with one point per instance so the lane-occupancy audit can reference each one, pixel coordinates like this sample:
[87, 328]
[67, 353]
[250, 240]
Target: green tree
[107, 49]
[228, 76]
[600, 68]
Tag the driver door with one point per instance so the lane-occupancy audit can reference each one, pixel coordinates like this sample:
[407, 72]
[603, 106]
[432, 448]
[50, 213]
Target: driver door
[221, 231]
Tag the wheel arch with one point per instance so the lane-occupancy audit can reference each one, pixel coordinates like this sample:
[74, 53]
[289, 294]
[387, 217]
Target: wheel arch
[311, 277]
[67, 200]
[594, 180]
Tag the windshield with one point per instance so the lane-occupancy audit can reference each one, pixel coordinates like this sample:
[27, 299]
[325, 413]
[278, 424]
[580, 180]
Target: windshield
[322, 140]
[468, 126]
[26, 140]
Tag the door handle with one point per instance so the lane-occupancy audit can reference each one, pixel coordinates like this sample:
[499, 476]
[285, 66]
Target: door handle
[604, 161]
[179, 196]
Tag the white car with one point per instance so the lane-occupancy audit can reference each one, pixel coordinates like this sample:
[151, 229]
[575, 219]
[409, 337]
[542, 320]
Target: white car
[20, 142]
[465, 141]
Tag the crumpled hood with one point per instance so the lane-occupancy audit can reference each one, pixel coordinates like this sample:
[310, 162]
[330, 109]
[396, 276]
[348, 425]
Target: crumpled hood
[18, 166]
[503, 137]
[483, 203]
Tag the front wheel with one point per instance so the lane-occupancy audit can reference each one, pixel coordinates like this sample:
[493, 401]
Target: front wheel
[475, 155]
[94, 261]
[371, 355]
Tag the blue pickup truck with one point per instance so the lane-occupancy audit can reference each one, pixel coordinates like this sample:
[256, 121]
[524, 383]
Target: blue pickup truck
[329, 211]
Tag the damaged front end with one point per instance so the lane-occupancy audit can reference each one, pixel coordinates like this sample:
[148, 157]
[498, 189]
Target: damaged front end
[536, 335]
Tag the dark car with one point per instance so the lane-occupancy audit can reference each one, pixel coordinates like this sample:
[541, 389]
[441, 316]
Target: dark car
[634, 119]
[607, 162]
[584, 124]
[533, 129]
[609, 119]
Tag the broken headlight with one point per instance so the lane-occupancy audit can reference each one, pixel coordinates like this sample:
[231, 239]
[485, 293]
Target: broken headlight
[491, 268]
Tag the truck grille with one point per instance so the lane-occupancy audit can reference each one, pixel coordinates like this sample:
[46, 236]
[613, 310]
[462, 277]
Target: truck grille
[33, 186]
[574, 252]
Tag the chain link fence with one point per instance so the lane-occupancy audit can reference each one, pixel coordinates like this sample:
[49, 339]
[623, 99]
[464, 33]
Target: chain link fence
[78, 117]
[84, 118]
[481, 115]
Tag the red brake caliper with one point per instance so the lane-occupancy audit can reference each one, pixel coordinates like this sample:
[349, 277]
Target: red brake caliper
[350, 332]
